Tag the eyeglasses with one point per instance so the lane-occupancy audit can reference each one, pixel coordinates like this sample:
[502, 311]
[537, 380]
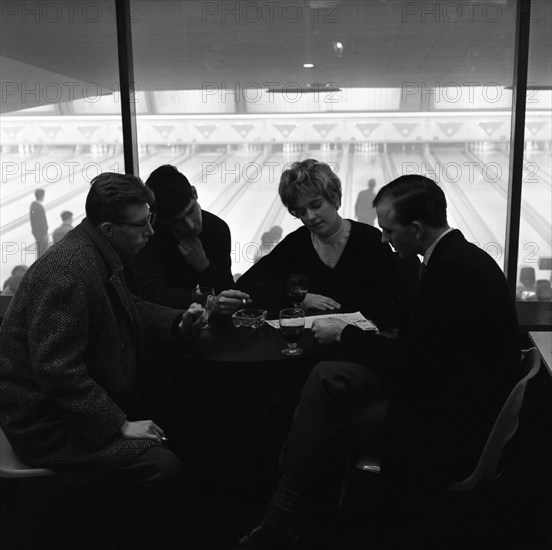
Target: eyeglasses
[150, 219]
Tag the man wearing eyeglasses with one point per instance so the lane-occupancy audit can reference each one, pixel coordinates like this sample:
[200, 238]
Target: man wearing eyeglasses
[190, 247]
[72, 355]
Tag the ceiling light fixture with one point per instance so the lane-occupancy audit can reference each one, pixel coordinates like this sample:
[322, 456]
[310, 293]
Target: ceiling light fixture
[312, 88]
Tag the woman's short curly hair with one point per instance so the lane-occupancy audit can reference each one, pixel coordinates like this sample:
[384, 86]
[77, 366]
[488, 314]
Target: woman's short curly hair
[306, 178]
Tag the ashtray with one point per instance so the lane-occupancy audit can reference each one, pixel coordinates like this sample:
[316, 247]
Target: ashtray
[249, 317]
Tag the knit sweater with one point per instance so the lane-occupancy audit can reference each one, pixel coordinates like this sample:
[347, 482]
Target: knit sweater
[366, 277]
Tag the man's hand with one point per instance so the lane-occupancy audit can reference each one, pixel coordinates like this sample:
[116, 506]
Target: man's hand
[192, 250]
[142, 429]
[229, 301]
[328, 331]
[317, 301]
[192, 319]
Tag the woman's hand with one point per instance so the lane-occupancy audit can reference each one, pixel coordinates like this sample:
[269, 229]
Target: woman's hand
[317, 301]
[142, 429]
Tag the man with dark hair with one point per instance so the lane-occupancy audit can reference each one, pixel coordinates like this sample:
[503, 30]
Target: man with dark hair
[431, 396]
[39, 223]
[72, 343]
[64, 228]
[364, 209]
[190, 247]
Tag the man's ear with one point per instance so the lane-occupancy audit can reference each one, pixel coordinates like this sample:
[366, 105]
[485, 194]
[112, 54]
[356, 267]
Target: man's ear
[194, 192]
[419, 228]
[107, 229]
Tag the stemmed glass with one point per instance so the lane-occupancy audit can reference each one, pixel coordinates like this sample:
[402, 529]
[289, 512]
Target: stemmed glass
[205, 297]
[297, 287]
[292, 323]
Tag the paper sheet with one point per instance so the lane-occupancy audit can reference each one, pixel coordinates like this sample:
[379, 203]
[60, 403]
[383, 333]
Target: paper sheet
[355, 318]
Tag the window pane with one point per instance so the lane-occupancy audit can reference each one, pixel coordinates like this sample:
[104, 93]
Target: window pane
[378, 89]
[57, 56]
[535, 254]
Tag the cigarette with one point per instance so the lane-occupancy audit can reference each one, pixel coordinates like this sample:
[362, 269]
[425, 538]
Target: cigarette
[163, 438]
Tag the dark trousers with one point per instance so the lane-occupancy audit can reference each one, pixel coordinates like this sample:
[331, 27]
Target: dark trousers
[41, 245]
[149, 499]
[341, 407]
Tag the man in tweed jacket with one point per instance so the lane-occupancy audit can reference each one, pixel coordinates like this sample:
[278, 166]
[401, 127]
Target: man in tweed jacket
[71, 349]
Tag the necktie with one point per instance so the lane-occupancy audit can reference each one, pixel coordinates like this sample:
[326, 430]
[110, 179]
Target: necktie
[423, 269]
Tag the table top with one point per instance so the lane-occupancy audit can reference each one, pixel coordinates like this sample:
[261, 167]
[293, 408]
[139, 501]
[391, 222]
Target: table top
[223, 342]
[543, 341]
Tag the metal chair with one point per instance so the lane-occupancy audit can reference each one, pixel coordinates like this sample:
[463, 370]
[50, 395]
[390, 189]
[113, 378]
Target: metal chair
[503, 430]
[12, 467]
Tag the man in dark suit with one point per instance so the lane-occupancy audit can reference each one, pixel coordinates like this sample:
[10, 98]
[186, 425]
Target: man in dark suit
[190, 247]
[364, 209]
[429, 397]
[39, 223]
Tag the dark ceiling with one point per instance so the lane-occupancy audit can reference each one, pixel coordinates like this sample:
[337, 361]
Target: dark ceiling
[186, 44]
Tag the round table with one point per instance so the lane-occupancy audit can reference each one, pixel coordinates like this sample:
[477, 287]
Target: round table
[222, 342]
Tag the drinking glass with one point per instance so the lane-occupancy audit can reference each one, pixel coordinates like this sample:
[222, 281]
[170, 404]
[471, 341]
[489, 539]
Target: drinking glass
[297, 287]
[205, 297]
[292, 323]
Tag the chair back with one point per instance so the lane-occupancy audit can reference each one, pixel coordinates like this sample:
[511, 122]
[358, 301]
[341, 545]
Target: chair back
[544, 290]
[12, 467]
[503, 430]
[527, 277]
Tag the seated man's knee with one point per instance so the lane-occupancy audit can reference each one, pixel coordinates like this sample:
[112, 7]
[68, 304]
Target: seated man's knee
[156, 469]
[168, 467]
[326, 370]
[345, 376]
[333, 370]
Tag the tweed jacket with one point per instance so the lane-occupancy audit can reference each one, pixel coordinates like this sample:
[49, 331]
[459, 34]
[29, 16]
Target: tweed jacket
[450, 372]
[70, 363]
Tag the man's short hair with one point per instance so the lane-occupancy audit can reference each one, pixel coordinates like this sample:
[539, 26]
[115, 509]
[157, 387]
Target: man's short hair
[307, 178]
[111, 193]
[172, 189]
[39, 194]
[66, 215]
[19, 270]
[415, 198]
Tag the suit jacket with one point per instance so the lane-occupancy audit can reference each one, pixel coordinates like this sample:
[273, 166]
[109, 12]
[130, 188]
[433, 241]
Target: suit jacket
[162, 275]
[366, 277]
[450, 372]
[39, 224]
[70, 365]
